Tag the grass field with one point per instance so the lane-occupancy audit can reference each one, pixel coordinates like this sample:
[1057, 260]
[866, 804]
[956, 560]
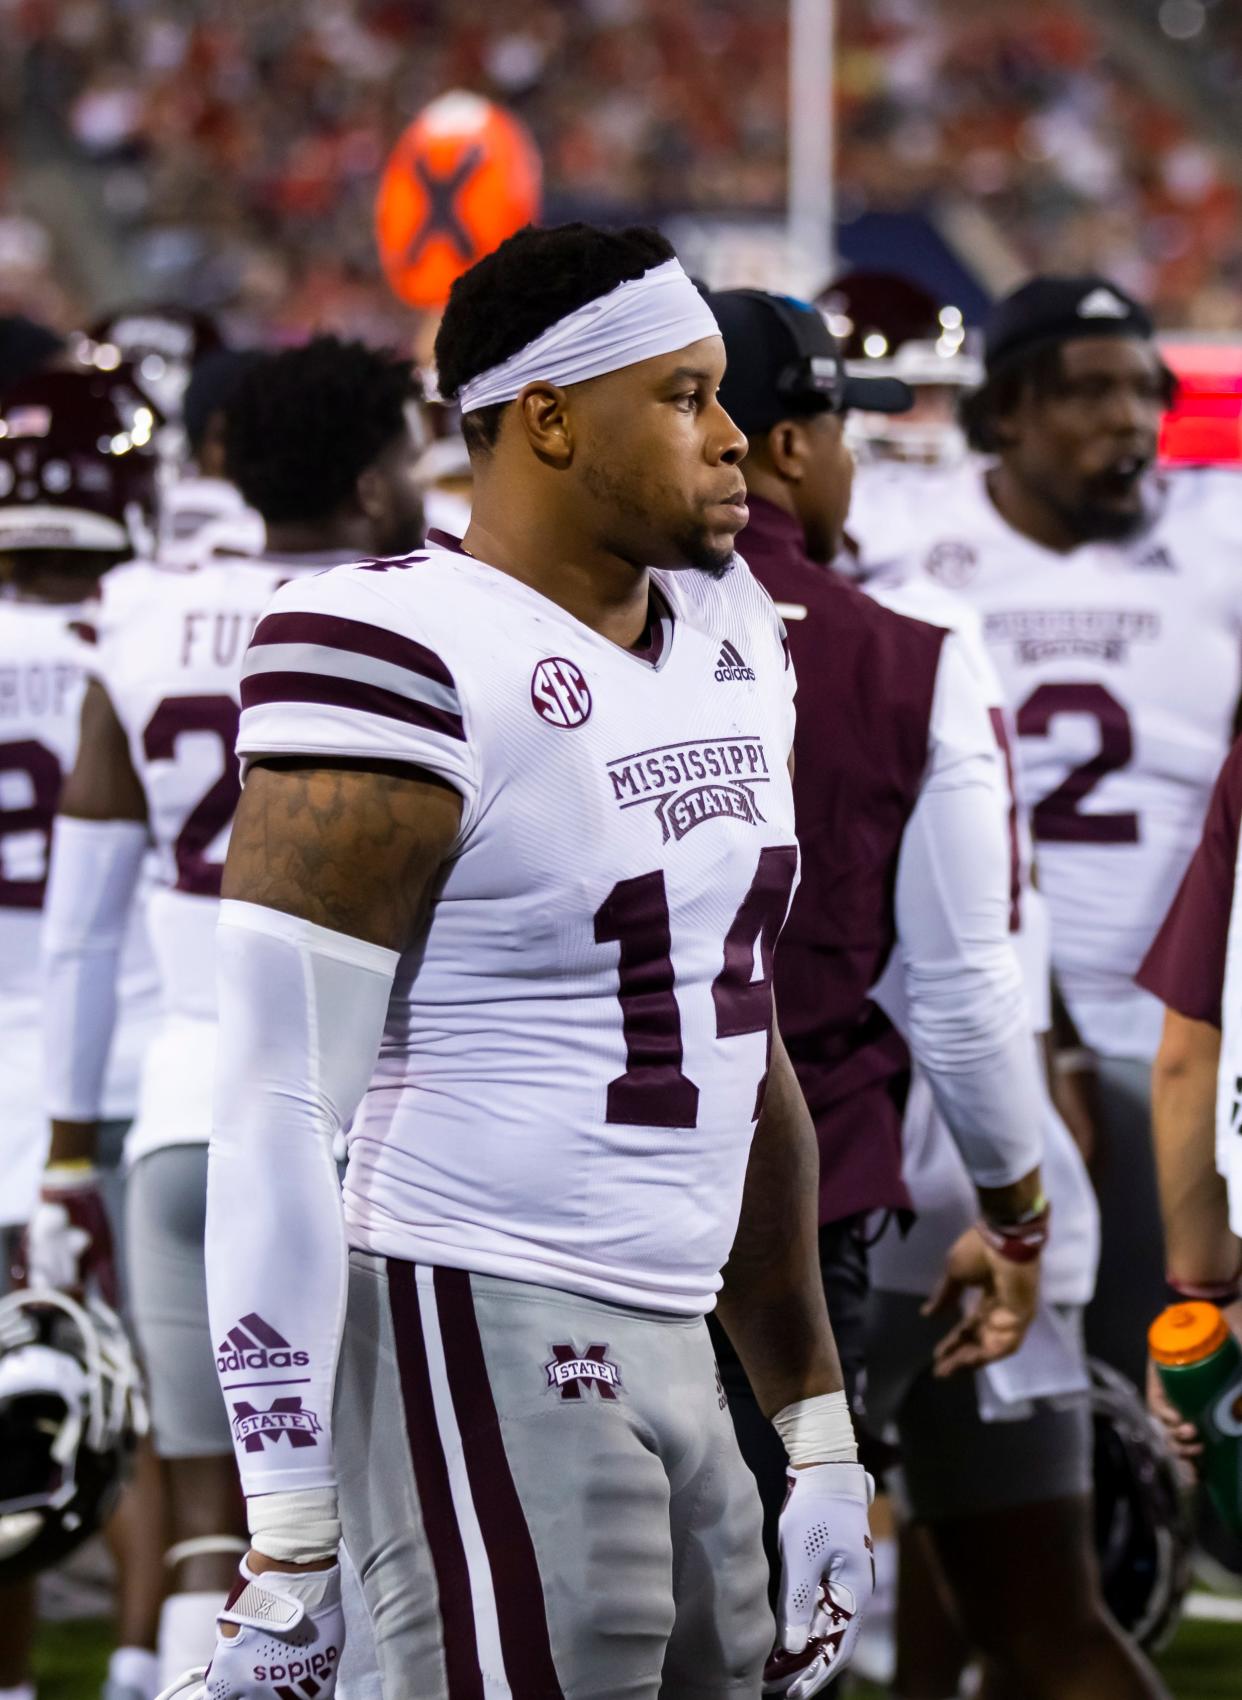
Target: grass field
[1204, 1663]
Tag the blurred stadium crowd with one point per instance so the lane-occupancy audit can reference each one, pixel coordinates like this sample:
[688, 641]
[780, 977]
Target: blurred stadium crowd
[232, 145]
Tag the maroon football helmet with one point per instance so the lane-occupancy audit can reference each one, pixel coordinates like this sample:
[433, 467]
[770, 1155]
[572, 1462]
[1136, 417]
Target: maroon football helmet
[78, 464]
[892, 327]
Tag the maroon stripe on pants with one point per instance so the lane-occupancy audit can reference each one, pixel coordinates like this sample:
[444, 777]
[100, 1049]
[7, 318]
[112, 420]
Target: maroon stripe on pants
[520, 1606]
[435, 1496]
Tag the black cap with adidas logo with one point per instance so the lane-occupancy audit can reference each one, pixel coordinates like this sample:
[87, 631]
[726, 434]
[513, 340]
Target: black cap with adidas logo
[1050, 310]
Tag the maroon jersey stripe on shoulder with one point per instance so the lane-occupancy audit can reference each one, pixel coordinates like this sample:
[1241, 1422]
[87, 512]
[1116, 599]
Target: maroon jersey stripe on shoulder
[520, 1606]
[356, 694]
[358, 637]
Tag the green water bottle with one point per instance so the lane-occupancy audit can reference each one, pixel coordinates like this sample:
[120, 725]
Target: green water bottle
[1200, 1364]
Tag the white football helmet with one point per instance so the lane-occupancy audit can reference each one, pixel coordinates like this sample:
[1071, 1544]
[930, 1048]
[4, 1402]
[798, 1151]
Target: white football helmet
[71, 1411]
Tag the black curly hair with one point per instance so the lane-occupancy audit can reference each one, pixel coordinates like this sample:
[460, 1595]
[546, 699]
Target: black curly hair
[516, 292]
[303, 424]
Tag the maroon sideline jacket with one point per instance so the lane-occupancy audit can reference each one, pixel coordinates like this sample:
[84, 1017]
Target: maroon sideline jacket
[1185, 966]
[866, 678]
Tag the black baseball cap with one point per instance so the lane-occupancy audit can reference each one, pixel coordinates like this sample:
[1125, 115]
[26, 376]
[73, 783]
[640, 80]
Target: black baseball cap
[1051, 310]
[783, 361]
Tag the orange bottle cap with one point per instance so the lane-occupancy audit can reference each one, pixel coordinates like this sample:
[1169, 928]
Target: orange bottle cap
[1186, 1334]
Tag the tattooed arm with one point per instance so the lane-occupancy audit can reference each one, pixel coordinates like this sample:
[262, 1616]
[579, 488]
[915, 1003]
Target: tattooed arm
[331, 871]
[772, 1302]
[353, 846]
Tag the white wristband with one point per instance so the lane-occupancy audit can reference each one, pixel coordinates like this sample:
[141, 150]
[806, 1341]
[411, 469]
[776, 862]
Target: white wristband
[298, 1527]
[818, 1430]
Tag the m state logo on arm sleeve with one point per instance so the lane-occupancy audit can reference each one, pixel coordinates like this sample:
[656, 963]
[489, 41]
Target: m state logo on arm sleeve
[284, 1419]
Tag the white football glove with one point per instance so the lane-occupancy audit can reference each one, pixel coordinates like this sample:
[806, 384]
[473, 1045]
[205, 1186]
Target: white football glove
[291, 1631]
[69, 1241]
[827, 1576]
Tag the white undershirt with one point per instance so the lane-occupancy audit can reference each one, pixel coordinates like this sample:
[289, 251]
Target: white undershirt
[954, 986]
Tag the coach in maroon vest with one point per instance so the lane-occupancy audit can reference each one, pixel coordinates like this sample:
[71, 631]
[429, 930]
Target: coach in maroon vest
[866, 678]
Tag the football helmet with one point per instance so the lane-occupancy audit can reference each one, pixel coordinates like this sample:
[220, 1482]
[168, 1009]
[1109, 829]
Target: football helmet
[162, 342]
[78, 464]
[1142, 1532]
[892, 328]
[71, 1412]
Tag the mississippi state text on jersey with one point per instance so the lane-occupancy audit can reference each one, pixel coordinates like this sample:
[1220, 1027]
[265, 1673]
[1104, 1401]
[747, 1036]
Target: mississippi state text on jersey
[1121, 664]
[575, 1049]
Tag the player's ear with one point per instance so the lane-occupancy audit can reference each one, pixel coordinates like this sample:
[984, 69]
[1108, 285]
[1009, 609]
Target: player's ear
[543, 411]
[787, 450]
[371, 495]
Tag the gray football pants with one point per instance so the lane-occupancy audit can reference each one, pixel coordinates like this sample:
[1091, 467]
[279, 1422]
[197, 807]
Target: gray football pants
[1129, 1290]
[543, 1495]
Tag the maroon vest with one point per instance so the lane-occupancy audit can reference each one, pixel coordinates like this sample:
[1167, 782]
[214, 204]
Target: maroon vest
[866, 677]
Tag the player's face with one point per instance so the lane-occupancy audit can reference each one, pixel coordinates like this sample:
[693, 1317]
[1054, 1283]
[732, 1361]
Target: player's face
[395, 500]
[660, 460]
[1085, 445]
[827, 487]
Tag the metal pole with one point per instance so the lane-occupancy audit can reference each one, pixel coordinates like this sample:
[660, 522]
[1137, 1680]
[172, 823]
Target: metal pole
[810, 214]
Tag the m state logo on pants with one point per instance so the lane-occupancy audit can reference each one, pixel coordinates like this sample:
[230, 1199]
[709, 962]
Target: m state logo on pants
[572, 1372]
[283, 1418]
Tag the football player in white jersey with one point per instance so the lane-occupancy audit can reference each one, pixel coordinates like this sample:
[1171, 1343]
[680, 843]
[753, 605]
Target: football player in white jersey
[70, 509]
[506, 878]
[321, 439]
[1111, 601]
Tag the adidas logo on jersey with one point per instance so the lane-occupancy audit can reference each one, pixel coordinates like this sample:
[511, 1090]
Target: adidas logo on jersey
[254, 1344]
[731, 665]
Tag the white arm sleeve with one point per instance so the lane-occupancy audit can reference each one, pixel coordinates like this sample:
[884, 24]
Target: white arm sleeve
[94, 871]
[302, 1013]
[967, 1020]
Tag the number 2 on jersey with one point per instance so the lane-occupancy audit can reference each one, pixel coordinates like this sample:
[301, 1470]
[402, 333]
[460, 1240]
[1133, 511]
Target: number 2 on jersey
[30, 780]
[654, 1091]
[177, 718]
[1058, 819]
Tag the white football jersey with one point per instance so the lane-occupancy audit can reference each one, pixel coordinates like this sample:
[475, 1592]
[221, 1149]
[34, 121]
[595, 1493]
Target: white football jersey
[574, 1052]
[200, 517]
[43, 667]
[1122, 666]
[939, 1184]
[170, 652]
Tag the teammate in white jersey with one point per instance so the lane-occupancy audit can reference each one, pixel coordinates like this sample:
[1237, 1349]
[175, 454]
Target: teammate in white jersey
[321, 439]
[508, 870]
[1111, 600]
[66, 508]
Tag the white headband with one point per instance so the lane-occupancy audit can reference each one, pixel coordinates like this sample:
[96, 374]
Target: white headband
[652, 314]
